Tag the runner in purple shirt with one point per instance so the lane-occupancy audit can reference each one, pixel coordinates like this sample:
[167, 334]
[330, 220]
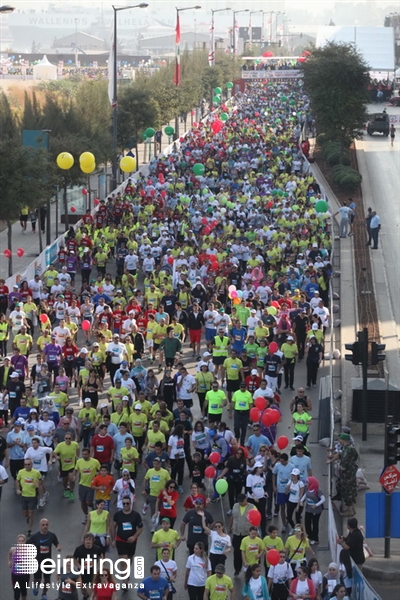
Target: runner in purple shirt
[52, 355]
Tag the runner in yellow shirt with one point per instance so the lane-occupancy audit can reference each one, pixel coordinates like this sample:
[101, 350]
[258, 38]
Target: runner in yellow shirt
[67, 453]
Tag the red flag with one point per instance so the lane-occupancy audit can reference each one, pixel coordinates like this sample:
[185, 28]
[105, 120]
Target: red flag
[177, 74]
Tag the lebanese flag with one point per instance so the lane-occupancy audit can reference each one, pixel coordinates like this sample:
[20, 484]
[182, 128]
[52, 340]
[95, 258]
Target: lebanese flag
[177, 74]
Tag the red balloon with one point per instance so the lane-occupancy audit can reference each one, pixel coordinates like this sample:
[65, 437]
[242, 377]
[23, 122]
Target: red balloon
[275, 304]
[43, 318]
[214, 458]
[85, 325]
[163, 193]
[273, 347]
[7, 253]
[282, 442]
[181, 139]
[214, 266]
[170, 260]
[84, 192]
[306, 53]
[254, 517]
[255, 414]
[206, 231]
[210, 472]
[160, 176]
[152, 192]
[270, 204]
[204, 221]
[302, 59]
[142, 193]
[149, 182]
[275, 416]
[20, 252]
[266, 418]
[273, 557]
[96, 201]
[73, 209]
[260, 402]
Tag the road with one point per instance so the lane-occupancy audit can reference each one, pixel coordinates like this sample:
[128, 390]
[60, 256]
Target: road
[381, 185]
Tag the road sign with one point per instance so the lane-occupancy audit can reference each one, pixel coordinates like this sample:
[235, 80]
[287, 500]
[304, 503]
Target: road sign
[390, 478]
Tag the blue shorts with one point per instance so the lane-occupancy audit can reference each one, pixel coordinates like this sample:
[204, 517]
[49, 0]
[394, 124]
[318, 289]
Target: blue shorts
[281, 499]
[210, 334]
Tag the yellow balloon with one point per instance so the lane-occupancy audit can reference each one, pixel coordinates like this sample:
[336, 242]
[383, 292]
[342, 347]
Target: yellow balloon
[86, 159]
[65, 160]
[88, 169]
[128, 164]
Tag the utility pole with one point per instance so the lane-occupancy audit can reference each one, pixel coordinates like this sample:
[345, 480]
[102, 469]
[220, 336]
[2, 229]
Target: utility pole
[363, 340]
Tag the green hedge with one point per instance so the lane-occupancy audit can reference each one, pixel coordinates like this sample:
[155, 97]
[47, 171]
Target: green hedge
[334, 155]
[346, 177]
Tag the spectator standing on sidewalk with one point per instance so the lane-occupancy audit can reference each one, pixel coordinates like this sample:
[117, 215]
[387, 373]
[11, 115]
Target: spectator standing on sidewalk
[375, 226]
[354, 542]
[368, 225]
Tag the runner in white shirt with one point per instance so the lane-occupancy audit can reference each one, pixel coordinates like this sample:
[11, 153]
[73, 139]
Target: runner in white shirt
[61, 332]
[36, 285]
[252, 322]
[60, 308]
[64, 277]
[46, 428]
[132, 262]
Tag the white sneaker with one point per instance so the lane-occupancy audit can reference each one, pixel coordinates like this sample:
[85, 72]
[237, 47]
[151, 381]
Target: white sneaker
[145, 509]
[229, 512]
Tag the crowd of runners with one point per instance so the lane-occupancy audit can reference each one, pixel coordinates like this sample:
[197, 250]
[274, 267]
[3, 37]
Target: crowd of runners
[218, 257]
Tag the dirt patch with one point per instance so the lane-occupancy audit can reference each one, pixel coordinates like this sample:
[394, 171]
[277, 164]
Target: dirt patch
[367, 309]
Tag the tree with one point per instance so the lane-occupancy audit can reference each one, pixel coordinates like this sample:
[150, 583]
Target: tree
[336, 79]
[137, 110]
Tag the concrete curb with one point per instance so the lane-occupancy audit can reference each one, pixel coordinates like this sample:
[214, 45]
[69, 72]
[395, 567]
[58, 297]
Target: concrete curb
[382, 569]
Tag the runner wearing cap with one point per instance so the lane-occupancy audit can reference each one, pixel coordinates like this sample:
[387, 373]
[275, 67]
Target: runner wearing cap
[166, 537]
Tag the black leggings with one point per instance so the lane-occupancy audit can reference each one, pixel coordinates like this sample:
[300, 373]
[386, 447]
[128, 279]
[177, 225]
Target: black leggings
[196, 592]
[20, 590]
[177, 469]
[290, 507]
[217, 559]
[3, 347]
[234, 488]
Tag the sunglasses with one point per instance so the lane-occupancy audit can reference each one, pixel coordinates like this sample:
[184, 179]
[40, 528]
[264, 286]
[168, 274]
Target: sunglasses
[126, 504]
[67, 438]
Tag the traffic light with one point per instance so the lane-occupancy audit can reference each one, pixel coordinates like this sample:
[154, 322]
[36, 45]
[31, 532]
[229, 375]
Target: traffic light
[355, 348]
[375, 356]
[392, 444]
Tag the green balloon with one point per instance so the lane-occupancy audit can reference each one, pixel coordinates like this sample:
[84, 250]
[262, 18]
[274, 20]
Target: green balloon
[292, 102]
[150, 132]
[321, 206]
[216, 99]
[284, 98]
[229, 85]
[224, 117]
[169, 130]
[182, 199]
[144, 135]
[286, 194]
[280, 192]
[221, 486]
[217, 91]
[199, 169]
[295, 207]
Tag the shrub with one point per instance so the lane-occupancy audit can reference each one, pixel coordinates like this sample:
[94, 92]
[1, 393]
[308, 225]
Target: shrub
[346, 177]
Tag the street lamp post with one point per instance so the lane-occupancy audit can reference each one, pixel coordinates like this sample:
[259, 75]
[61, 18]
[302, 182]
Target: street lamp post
[177, 58]
[252, 12]
[116, 10]
[236, 12]
[48, 208]
[276, 24]
[211, 56]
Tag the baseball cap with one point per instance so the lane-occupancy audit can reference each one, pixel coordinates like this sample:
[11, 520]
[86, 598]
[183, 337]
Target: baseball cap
[125, 471]
[298, 438]
[84, 351]
[220, 569]
[166, 519]
[253, 311]
[205, 354]
[295, 472]
[30, 428]
[254, 371]
[96, 345]
[138, 407]
[289, 338]
[314, 326]
[157, 458]
[104, 405]
[258, 465]
[87, 400]
[33, 410]
[198, 501]
[18, 422]
[242, 384]
[124, 363]
[316, 292]
[14, 375]
[125, 397]
[345, 437]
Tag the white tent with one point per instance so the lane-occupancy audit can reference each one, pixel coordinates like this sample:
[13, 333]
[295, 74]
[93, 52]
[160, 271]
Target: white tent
[375, 44]
[44, 70]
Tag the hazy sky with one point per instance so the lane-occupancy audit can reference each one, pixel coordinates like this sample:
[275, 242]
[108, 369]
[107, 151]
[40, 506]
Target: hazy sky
[317, 12]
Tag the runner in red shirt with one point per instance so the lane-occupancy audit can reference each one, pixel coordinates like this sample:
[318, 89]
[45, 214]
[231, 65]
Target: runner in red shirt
[102, 446]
